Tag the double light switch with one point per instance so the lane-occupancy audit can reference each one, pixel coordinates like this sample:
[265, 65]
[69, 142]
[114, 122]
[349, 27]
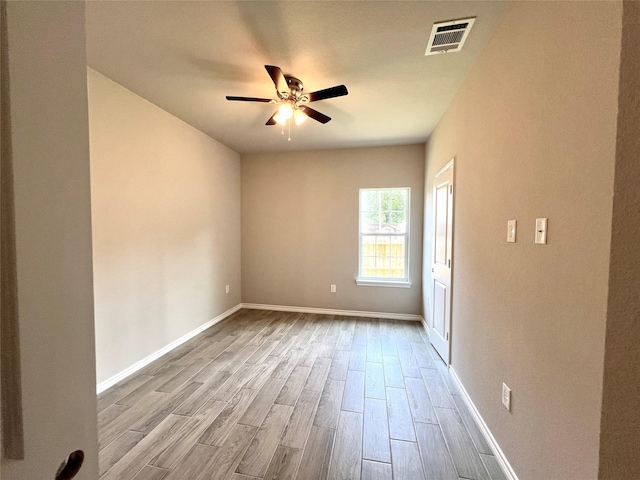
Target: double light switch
[541, 231]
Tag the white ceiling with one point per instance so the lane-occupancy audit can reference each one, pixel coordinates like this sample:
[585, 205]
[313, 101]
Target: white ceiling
[186, 56]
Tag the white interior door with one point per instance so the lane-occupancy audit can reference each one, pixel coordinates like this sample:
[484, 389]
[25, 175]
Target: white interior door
[441, 261]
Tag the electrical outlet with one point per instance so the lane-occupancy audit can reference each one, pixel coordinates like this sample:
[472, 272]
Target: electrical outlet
[227, 289]
[506, 396]
[333, 288]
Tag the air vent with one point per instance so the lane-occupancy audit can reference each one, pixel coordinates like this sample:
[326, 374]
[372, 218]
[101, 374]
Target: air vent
[448, 37]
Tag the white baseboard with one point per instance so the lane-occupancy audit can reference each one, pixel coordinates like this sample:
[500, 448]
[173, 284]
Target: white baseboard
[497, 451]
[102, 386]
[425, 325]
[328, 311]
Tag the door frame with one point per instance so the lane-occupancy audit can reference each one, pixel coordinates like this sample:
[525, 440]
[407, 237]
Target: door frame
[450, 165]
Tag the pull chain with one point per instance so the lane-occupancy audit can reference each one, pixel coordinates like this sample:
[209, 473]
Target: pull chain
[282, 125]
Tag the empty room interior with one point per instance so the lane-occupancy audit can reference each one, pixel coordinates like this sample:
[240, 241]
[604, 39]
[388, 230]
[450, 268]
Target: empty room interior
[320, 240]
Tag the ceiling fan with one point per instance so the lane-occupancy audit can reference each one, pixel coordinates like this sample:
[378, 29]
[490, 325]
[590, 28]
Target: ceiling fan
[291, 99]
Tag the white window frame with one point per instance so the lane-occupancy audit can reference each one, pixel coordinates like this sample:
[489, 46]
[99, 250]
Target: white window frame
[385, 281]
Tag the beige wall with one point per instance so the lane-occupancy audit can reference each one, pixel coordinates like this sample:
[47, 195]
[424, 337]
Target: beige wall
[300, 226]
[620, 435]
[50, 142]
[166, 226]
[533, 131]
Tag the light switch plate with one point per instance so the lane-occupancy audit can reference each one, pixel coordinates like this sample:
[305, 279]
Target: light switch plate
[541, 231]
[511, 231]
[506, 396]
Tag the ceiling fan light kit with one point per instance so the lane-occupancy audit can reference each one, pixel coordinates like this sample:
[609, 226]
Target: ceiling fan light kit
[285, 111]
[292, 102]
[299, 116]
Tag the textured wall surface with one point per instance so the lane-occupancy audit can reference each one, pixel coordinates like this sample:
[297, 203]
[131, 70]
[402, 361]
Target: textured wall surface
[533, 130]
[50, 143]
[620, 435]
[166, 226]
[300, 226]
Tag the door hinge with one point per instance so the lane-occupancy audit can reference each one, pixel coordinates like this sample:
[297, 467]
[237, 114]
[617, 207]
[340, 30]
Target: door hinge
[449, 263]
[447, 334]
[450, 189]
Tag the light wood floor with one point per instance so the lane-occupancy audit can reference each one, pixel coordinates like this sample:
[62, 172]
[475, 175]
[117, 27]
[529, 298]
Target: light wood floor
[278, 395]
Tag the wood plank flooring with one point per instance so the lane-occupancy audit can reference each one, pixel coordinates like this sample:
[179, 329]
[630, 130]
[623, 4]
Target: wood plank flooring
[278, 395]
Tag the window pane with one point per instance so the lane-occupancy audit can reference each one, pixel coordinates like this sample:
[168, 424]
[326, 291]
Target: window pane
[397, 262]
[383, 256]
[368, 262]
[383, 211]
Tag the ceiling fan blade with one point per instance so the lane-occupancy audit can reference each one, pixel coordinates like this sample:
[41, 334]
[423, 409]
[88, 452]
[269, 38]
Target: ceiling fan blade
[316, 115]
[249, 99]
[278, 79]
[332, 92]
[272, 120]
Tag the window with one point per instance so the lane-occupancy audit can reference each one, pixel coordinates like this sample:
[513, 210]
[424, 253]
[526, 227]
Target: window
[384, 237]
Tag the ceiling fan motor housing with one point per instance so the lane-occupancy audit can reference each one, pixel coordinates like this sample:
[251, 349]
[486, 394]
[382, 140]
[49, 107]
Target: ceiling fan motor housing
[295, 85]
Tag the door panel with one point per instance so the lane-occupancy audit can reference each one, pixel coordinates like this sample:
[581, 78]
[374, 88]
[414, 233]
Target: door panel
[439, 307]
[440, 242]
[441, 261]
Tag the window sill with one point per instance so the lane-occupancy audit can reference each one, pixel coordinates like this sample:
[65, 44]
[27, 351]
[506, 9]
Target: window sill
[383, 283]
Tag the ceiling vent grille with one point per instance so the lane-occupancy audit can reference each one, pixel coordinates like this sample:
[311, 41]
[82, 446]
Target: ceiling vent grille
[447, 37]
